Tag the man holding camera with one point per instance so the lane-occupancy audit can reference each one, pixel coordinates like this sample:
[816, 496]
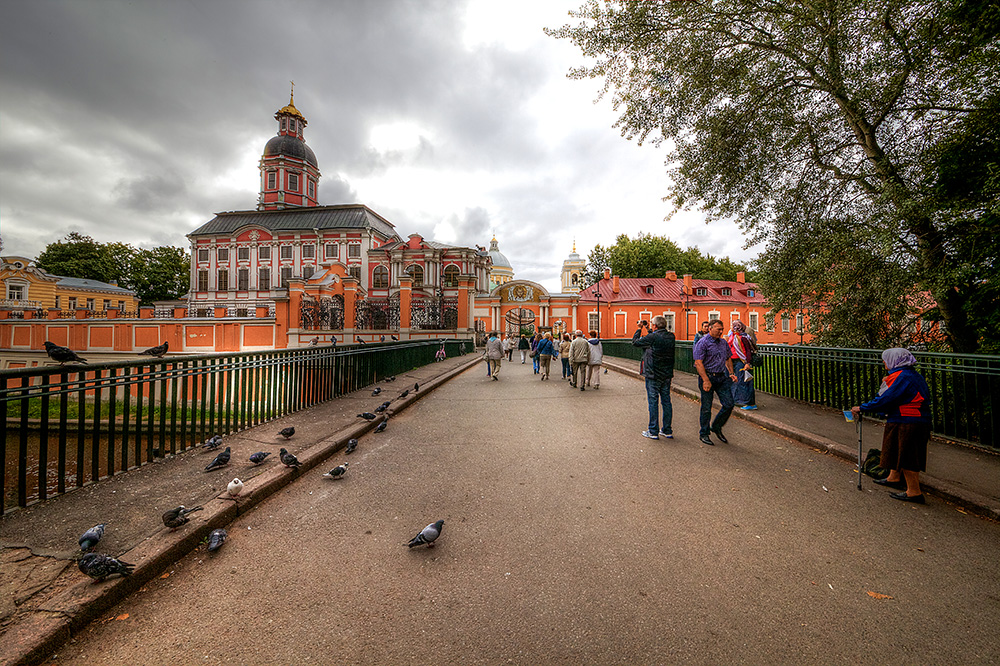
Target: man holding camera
[712, 360]
[658, 369]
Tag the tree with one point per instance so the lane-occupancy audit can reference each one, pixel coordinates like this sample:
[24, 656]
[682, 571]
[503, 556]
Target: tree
[652, 256]
[822, 127]
[157, 274]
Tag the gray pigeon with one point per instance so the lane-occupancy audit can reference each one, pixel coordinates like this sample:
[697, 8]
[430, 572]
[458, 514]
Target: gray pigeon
[220, 461]
[259, 457]
[351, 445]
[427, 535]
[404, 393]
[337, 472]
[212, 442]
[62, 354]
[216, 539]
[157, 351]
[287, 459]
[99, 566]
[381, 426]
[378, 389]
[177, 517]
[367, 416]
[381, 408]
[287, 432]
[90, 538]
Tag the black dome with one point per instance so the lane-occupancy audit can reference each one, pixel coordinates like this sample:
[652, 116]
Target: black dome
[291, 147]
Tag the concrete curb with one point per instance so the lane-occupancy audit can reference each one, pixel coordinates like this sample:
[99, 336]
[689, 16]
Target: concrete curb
[971, 501]
[33, 638]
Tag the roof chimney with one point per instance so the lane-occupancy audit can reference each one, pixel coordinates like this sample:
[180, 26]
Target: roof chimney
[741, 277]
[614, 284]
[688, 284]
[607, 273]
[672, 276]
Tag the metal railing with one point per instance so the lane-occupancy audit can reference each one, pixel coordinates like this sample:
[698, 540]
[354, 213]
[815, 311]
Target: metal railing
[965, 388]
[69, 426]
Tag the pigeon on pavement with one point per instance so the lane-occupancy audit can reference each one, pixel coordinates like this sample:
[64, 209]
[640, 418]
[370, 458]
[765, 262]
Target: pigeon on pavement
[287, 432]
[377, 390]
[367, 416]
[220, 461]
[381, 426]
[234, 488]
[99, 566]
[391, 379]
[158, 351]
[258, 457]
[90, 538]
[351, 445]
[177, 517]
[404, 393]
[337, 472]
[216, 539]
[212, 442]
[287, 459]
[416, 387]
[381, 408]
[62, 354]
[427, 535]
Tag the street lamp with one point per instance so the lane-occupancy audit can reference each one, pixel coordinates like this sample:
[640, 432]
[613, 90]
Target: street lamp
[597, 293]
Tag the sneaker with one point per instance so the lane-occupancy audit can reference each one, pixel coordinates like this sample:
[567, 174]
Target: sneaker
[748, 407]
[649, 435]
[668, 435]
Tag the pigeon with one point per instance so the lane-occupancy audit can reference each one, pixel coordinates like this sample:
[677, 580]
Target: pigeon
[212, 442]
[158, 351]
[381, 408]
[337, 472]
[393, 337]
[367, 416]
[381, 338]
[287, 459]
[177, 517]
[377, 390]
[220, 461]
[391, 379]
[62, 354]
[427, 535]
[357, 338]
[314, 342]
[351, 445]
[99, 566]
[234, 488]
[416, 387]
[381, 426]
[90, 538]
[404, 393]
[258, 457]
[216, 539]
[287, 432]
[386, 404]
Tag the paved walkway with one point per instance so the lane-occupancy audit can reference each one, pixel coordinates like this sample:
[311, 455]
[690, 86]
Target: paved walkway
[45, 599]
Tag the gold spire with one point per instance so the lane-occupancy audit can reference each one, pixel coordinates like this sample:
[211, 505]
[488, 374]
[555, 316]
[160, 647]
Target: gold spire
[290, 110]
[574, 245]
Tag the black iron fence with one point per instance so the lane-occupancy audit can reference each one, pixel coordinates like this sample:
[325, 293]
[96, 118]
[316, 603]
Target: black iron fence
[69, 426]
[965, 388]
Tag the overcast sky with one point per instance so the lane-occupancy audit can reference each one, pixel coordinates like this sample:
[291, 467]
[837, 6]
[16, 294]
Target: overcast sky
[137, 121]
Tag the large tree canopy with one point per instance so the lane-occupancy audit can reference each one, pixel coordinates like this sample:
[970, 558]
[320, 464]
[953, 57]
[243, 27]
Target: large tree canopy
[652, 256]
[833, 131]
[158, 274]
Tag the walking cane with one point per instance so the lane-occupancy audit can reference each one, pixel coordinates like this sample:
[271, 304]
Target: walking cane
[859, 451]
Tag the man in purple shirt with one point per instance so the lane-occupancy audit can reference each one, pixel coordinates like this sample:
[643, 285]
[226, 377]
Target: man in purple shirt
[712, 360]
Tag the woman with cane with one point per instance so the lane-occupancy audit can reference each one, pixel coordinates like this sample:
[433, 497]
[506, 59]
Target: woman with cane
[905, 400]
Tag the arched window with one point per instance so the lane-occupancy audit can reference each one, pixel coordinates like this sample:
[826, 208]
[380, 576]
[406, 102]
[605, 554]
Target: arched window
[417, 273]
[451, 276]
[575, 278]
[380, 278]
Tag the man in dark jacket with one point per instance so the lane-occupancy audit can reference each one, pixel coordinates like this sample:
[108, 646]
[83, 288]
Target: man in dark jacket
[658, 369]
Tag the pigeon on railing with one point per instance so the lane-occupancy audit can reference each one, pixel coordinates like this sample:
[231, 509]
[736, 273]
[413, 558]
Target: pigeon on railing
[62, 355]
[157, 351]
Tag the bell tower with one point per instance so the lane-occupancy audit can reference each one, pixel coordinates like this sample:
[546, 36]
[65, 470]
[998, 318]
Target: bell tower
[572, 272]
[289, 173]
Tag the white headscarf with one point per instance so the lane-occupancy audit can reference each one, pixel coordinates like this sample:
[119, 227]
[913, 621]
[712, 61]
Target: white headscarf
[897, 357]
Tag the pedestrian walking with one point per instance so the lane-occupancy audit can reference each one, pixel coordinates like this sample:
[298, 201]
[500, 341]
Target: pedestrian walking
[508, 347]
[742, 348]
[579, 356]
[534, 351]
[904, 398]
[564, 357]
[713, 361]
[658, 370]
[702, 332]
[523, 347]
[494, 352]
[596, 359]
[545, 352]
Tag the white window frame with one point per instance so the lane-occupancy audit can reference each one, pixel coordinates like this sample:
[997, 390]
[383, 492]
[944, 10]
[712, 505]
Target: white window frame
[264, 252]
[242, 254]
[380, 277]
[286, 252]
[332, 251]
[353, 250]
[752, 322]
[714, 314]
[786, 322]
[293, 182]
[203, 255]
[669, 316]
[309, 251]
[593, 322]
[264, 279]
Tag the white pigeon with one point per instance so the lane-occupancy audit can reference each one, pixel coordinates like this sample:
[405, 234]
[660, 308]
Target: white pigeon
[235, 487]
[337, 472]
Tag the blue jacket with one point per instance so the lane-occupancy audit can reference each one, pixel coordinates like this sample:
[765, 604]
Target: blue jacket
[545, 347]
[906, 398]
[658, 359]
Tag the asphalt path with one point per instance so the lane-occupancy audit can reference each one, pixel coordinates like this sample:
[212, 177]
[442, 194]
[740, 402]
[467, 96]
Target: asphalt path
[570, 539]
